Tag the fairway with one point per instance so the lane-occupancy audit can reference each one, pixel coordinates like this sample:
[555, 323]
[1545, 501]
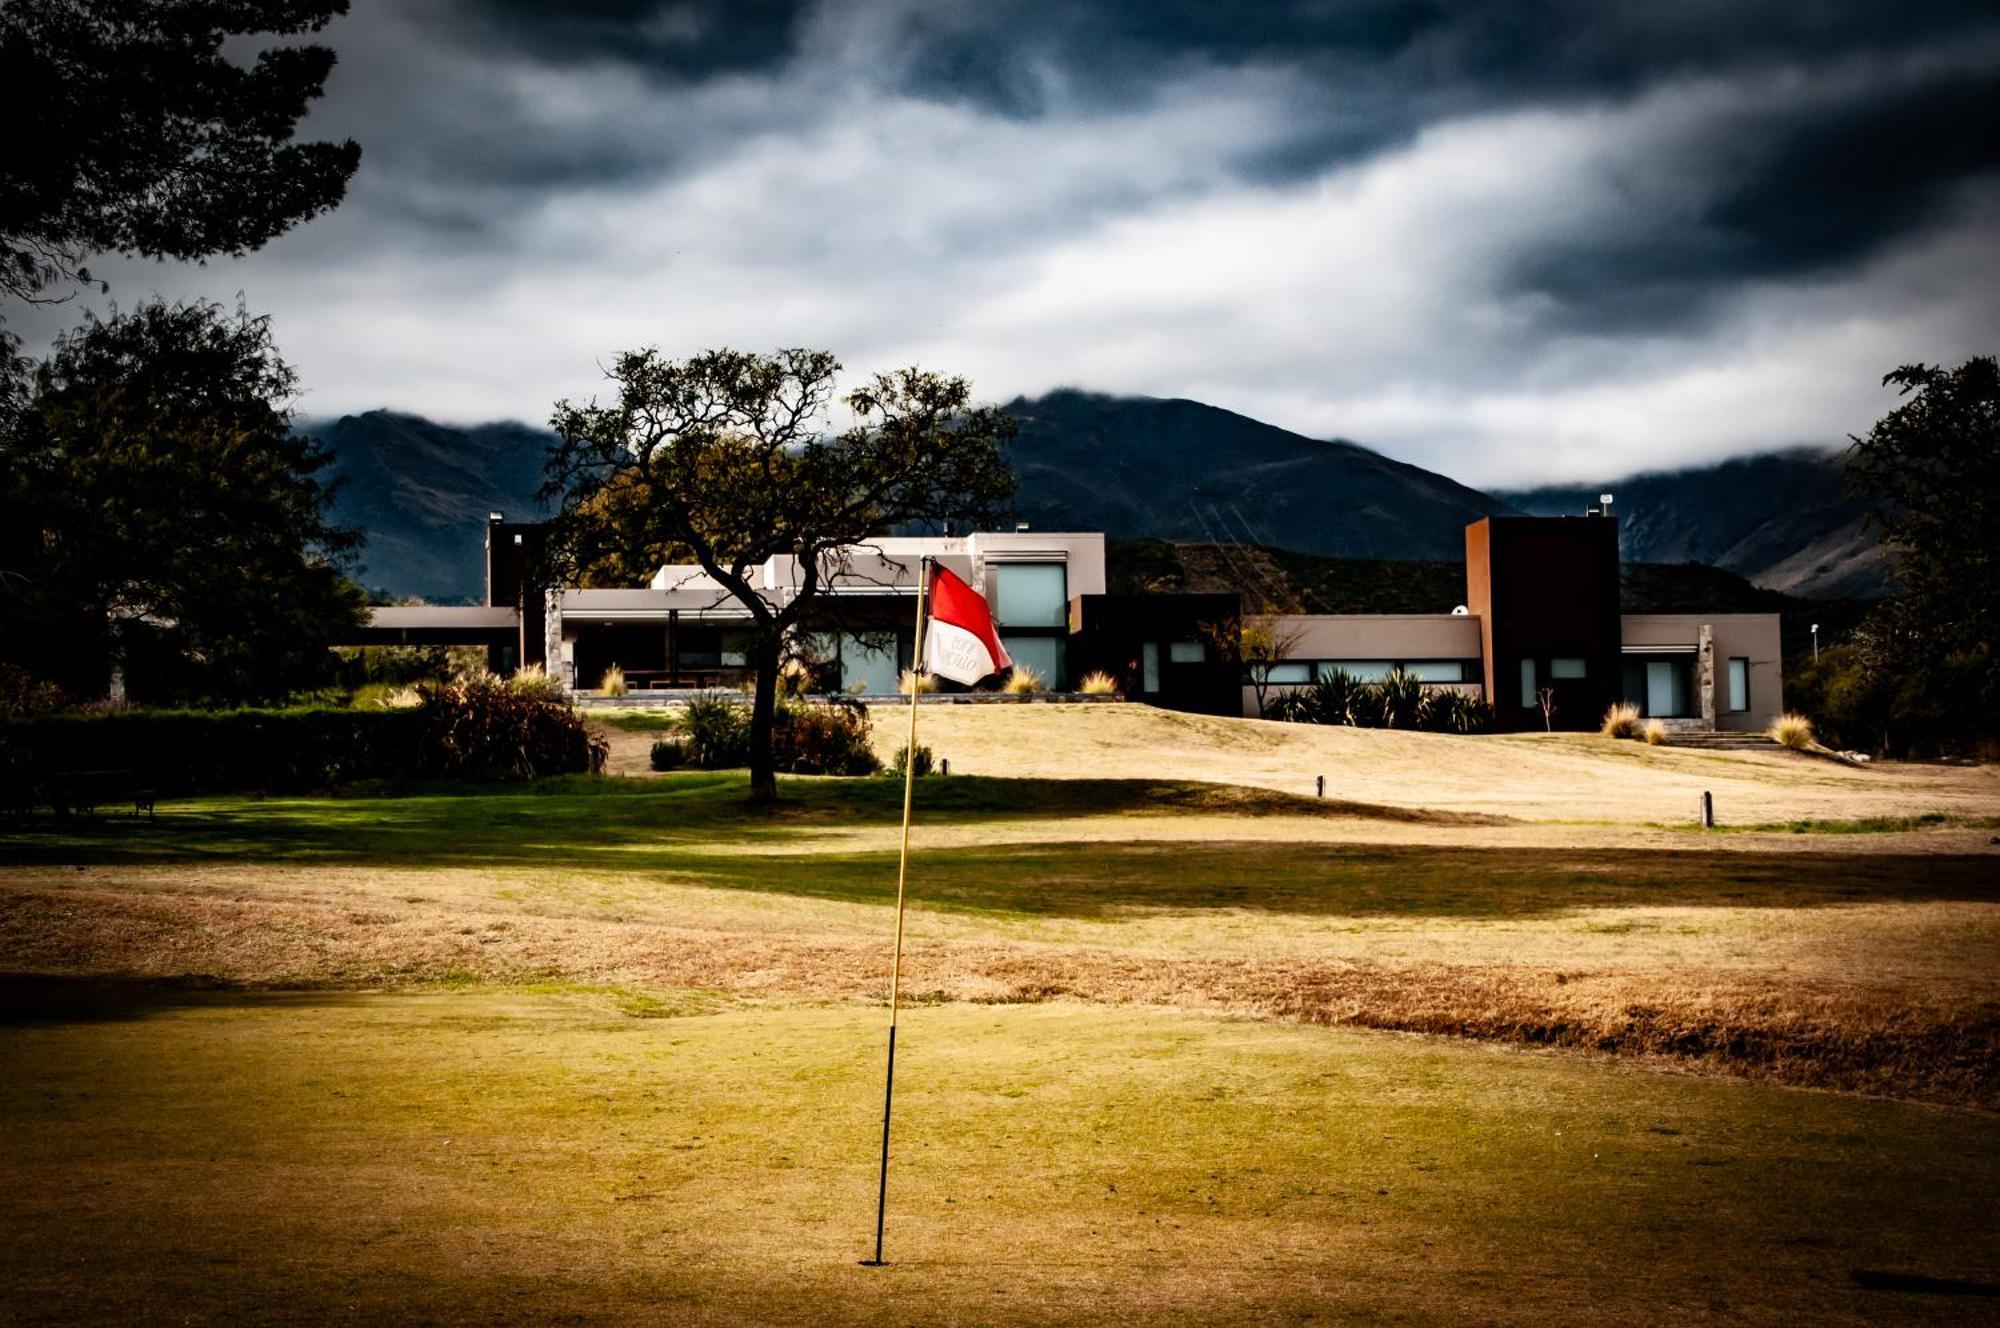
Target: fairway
[542, 1157]
[610, 1050]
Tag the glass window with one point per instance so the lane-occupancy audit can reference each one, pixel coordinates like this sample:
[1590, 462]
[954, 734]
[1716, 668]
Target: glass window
[1739, 683]
[1149, 667]
[1529, 699]
[1187, 652]
[1043, 654]
[1666, 687]
[1362, 670]
[1288, 673]
[735, 650]
[1567, 668]
[1436, 670]
[870, 659]
[1030, 594]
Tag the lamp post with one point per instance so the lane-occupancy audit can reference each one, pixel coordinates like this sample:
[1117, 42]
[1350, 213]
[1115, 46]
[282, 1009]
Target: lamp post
[1815, 635]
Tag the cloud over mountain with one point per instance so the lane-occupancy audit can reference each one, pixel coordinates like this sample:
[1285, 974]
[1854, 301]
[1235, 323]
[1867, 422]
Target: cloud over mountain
[1516, 241]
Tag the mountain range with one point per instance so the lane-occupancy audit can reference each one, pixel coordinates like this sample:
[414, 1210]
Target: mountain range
[1148, 468]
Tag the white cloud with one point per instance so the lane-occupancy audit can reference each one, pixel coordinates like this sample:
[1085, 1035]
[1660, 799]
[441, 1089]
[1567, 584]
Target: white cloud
[1120, 250]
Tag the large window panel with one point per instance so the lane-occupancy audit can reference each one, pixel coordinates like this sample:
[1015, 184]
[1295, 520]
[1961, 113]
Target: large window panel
[1043, 654]
[870, 658]
[1030, 594]
[1739, 683]
[1361, 670]
[1436, 670]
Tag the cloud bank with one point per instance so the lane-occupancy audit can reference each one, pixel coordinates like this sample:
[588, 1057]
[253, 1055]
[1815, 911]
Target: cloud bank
[1515, 242]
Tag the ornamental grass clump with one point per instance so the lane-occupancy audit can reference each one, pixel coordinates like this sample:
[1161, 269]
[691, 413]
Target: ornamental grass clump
[923, 682]
[1655, 733]
[1098, 683]
[1793, 731]
[613, 682]
[1023, 681]
[1621, 721]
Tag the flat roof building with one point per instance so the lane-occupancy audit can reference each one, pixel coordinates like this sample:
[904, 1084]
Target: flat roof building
[1540, 627]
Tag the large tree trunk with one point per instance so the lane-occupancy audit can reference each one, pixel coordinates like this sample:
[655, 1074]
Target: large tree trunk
[763, 712]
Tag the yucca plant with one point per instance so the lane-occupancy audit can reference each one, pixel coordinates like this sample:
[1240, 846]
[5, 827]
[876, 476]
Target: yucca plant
[1339, 698]
[1448, 710]
[1401, 696]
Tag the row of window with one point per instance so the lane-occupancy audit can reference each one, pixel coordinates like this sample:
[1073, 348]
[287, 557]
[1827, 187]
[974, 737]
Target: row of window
[1368, 670]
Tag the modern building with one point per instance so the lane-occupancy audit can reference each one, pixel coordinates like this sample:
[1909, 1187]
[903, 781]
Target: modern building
[1540, 628]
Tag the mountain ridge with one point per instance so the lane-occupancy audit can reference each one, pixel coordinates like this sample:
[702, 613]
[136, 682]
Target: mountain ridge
[1157, 468]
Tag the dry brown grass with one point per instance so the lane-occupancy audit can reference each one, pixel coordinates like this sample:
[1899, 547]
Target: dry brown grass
[1896, 998]
[1538, 777]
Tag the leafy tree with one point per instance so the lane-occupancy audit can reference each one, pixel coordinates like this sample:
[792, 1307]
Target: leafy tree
[737, 464]
[156, 508]
[1261, 645]
[129, 130]
[1929, 659]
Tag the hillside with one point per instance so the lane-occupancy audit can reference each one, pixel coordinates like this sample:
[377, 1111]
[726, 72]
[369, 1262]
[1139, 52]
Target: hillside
[1246, 503]
[422, 491]
[1781, 519]
[1144, 467]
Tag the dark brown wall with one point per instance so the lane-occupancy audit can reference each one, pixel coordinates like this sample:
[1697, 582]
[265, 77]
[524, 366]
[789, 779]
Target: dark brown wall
[1546, 588]
[1108, 633]
[513, 556]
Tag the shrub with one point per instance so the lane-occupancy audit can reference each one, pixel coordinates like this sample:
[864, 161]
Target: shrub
[669, 754]
[1336, 698]
[1023, 681]
[179, 752]
[1448, 710]
[718, 731]
[925, 761]
[1098, 683]
[826, 739]
[1620, 721]
[531, 680]
[1793, 731]
[489, 730]
[1401, 698]
[21, 696]
[1655, 732]
[924, 682]
[613, 682]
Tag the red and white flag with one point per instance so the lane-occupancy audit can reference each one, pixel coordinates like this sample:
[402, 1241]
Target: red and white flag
[961, 644]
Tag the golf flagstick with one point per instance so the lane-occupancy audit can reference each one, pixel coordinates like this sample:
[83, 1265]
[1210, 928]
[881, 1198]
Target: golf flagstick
[902, 875]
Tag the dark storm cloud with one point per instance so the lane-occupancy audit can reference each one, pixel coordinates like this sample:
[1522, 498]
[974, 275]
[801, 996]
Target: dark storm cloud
[1770, 194]
[680, 38]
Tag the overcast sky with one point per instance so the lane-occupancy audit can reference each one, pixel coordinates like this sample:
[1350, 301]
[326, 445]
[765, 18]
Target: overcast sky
[1512, 241]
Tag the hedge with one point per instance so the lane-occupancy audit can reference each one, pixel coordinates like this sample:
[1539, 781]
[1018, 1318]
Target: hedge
[482, 730]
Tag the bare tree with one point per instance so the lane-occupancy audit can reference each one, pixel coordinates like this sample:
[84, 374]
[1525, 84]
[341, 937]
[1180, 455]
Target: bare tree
[729, 457]
[1261, 644]
[1546, 697]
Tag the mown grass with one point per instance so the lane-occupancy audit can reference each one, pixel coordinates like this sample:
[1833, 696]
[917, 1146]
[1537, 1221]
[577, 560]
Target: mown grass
[698, 829]
[509, 1159]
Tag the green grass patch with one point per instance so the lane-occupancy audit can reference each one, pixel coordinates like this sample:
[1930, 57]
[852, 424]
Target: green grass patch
[699, 829]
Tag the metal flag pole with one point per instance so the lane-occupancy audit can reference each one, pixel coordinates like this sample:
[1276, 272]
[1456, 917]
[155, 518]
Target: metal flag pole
[902, 876]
